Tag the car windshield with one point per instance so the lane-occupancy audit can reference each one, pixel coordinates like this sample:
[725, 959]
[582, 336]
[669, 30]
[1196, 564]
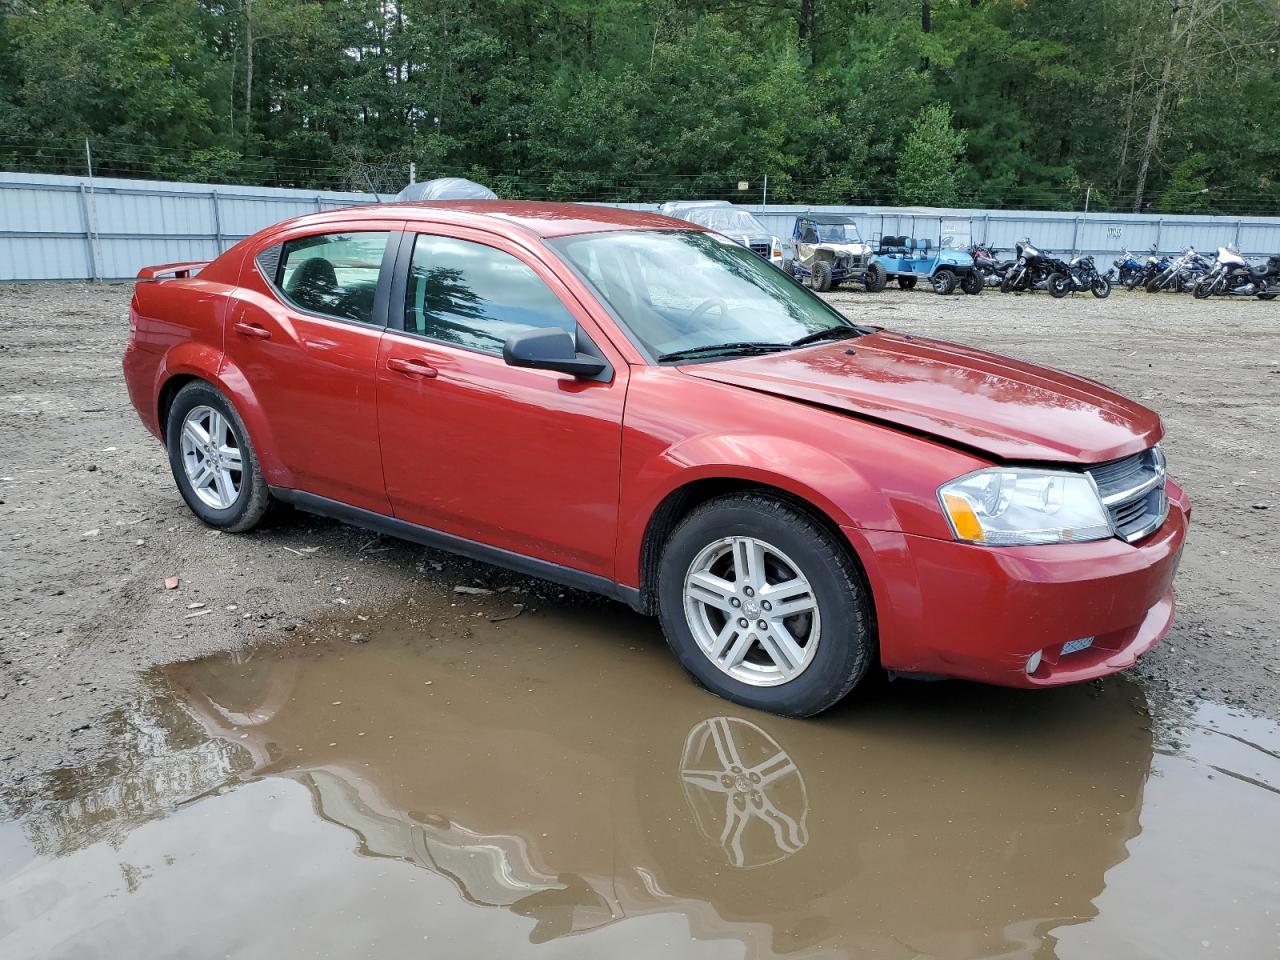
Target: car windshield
[727, 220]
[838, 232]
[678, 291]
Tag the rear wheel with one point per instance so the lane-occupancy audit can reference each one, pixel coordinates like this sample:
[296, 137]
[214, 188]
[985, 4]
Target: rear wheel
[1058, 285]
[213, 460]
[764, 606]
[906, 283]
[876, 278]
[820, 276]
[944, 282]
[972, 283]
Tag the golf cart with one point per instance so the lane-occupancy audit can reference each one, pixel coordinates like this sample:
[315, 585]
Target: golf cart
[826, 251]
[946, 266]
[734, 222]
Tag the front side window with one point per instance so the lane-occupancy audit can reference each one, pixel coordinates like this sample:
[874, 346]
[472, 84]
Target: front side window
[677, 291]
[476, 296]
[335, 274]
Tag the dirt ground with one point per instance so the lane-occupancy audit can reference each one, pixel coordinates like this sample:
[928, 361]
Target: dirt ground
[91, 524]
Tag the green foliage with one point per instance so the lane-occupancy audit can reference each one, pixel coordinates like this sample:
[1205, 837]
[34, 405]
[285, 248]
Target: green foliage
[1188, 189]
[929, 167]
[999, 103]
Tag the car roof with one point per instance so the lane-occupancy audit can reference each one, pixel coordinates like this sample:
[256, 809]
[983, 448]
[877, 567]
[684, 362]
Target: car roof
[530, 217]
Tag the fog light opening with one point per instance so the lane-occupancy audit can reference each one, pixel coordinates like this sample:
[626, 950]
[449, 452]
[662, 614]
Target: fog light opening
[1075, 646]
[1033, 662]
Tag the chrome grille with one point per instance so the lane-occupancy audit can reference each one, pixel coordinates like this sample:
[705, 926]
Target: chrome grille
[761, 248]
[1132, 489]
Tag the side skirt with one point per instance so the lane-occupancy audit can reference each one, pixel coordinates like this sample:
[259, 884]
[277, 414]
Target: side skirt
[531, 566]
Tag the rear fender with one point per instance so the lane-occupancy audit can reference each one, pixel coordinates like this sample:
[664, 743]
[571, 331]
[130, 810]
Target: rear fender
[204, 363]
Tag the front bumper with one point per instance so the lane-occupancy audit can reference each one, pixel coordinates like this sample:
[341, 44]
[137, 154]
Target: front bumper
[954, 609]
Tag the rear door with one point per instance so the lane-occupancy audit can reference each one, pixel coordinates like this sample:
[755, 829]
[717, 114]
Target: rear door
[304, 334]
[525, 460]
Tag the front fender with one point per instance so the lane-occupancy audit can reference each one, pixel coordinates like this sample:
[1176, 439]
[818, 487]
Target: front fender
[842, 492]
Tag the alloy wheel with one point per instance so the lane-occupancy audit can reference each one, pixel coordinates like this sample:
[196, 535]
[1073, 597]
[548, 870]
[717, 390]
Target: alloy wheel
[751, 610]
[211, 457]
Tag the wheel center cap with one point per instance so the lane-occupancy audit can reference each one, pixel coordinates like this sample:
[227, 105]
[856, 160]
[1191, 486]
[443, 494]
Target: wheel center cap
[751, 607]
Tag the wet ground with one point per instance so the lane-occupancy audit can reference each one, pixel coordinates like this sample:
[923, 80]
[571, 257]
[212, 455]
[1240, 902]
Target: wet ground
[550, 784]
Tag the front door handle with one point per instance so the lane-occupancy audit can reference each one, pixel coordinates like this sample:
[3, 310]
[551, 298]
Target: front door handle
[252, 330]
[411, 368]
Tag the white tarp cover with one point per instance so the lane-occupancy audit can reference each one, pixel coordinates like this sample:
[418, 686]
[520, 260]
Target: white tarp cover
[447, 188]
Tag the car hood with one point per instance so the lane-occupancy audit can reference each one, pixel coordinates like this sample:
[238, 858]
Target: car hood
[1006, 409]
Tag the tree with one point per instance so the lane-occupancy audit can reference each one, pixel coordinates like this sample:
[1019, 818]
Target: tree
[930, 167]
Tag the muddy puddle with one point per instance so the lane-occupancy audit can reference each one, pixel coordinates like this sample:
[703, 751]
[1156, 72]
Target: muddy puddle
[552, 785]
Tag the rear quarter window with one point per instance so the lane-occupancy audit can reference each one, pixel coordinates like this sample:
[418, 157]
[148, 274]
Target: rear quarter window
[332, 274]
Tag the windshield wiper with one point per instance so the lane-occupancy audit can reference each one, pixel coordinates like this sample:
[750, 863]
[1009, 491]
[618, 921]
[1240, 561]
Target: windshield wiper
[712, 349]
[838, 332]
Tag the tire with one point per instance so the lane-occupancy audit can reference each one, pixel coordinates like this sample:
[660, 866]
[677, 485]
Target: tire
[972, 283]
[1058, 285]
[1101, 287]
[944, 283]
[906, 283]
[1153, 285]
[820, 276]
[842, 631]
[1203, 289]
[876, 278]
[223, 503]
[1268, 295]
[1006, 283]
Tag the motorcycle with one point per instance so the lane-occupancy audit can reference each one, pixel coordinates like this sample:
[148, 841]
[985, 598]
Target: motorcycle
[1155, 264]
[1126, 268]
[984, 258]
[1081, 274]
[1030, 270]
[1232, 275]
[1180, 274]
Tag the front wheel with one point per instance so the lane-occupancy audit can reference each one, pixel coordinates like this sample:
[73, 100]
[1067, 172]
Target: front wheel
[1154, 285]
[1058, 285]
[1100, 288]
[820, 276]
[876, 278]
[1203, 289]
[213, 460]
[944, 282]
[972, 283]
[764, 606]
[1007, 283]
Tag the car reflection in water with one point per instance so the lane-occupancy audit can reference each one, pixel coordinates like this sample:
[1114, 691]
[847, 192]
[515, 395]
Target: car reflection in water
[744, 790]
[962, 821]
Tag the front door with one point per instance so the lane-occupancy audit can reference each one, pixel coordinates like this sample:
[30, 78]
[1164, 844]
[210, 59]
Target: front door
[304, 335]
[525, 460]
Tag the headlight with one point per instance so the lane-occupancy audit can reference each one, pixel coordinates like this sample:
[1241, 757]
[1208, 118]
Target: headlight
[1002, 507]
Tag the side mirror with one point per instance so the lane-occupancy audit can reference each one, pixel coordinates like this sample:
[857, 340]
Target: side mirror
[549, 348]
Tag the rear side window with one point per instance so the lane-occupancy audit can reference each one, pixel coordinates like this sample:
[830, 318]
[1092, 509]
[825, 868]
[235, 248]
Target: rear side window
[476, 296]
[335, 274]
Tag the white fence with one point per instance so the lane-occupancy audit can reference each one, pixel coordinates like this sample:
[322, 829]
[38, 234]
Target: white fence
[71, 228]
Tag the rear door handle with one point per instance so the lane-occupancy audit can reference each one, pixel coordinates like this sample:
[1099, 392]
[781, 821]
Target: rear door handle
[411, 368]
[252, 330]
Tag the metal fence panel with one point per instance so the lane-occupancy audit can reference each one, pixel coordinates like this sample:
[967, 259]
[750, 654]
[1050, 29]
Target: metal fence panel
[71, 228]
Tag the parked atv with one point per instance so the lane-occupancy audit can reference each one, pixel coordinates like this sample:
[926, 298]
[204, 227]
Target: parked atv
[826, 251]
[911, 260]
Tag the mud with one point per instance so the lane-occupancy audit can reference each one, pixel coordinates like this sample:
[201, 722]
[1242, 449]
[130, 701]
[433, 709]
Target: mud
[553, 783]
[91, 525]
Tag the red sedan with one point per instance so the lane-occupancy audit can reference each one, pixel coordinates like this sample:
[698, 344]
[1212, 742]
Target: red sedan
[625, 403]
